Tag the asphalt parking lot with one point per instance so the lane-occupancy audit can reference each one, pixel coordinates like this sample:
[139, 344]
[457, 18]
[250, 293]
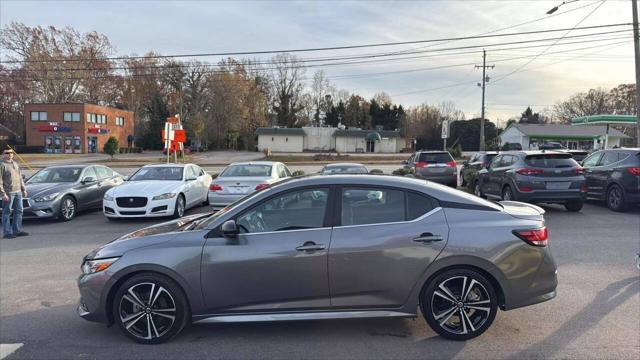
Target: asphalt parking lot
[595, 315]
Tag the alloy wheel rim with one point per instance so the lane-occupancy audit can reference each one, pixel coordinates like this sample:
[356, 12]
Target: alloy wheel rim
[507, 195]
[476, 189]
[180, 207]
[147, 311]
[68, 208]
[461, 305]
[614, 197]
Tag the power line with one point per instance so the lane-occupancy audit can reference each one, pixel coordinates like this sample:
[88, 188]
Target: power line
[314, 49]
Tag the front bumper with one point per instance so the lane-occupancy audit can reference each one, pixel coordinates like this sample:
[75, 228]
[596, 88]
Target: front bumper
[154, 208]
[39, 210]
[91, 306]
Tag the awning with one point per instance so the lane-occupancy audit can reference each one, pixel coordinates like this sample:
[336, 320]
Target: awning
[604, 119]
[374, 136]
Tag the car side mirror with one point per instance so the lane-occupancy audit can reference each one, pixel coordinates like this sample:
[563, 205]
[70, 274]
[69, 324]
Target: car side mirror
[88, 180]
[229, 229]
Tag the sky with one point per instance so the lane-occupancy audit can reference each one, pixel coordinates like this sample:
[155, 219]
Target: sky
[544, 74]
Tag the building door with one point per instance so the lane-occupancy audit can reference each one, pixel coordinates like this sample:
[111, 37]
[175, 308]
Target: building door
[77, 145]
[68, 145]
[57, 144]
[92, 144]
[48, 144]
[371, 146]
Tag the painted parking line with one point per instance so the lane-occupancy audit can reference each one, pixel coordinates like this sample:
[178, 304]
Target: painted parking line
[8, 349]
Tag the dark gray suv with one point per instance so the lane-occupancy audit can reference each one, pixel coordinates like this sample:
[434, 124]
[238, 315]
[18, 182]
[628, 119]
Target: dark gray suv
[326, 247]
[534, 176]
[614, 176]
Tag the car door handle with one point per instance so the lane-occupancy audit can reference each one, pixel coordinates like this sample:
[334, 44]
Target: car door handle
[310, 247]
[428, 238]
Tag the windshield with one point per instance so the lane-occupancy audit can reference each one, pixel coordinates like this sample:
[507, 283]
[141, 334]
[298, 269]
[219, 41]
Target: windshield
[345, 169]
[157, 173]
[247, 170]
[55, 175]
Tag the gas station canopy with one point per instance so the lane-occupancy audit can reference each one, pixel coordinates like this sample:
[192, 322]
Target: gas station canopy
[604, 119]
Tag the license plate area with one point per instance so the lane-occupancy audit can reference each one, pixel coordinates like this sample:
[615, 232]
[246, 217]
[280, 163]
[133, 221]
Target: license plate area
[558, 185]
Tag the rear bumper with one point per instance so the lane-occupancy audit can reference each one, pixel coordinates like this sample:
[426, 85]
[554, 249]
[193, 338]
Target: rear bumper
[218, 201]
[550, 196]
[449, 179]
[541, 289]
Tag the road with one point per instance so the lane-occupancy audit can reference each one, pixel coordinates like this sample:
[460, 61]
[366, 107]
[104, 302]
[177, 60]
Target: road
[595, 315]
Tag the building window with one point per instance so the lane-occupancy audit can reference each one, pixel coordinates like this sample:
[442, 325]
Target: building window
[38, 116]
[119, 121]
[96, 118]
[71, 116]
[102, 119]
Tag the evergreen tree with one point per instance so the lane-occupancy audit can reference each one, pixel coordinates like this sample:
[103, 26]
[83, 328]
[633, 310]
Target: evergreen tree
[157, 113]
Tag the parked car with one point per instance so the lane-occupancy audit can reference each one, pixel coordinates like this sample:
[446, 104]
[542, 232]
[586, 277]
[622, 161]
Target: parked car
[534, 176]
[550, 146]
[437, 166]
[511, 146]
[326, 247]
[61, 192]
[158, 190]
[614, 176]
[344, 168]
[477, 162]
[577, 155]
[241, 179]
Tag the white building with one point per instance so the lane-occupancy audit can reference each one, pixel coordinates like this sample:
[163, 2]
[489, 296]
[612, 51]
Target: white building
[530, 136]
[329, 139]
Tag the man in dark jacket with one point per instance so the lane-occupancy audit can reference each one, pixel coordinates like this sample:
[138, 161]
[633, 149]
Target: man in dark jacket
[12, 190]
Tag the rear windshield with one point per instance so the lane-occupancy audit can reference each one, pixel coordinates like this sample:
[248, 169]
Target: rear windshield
[435, 158]
[247, 170]
[489, 157]
[550, 161]
[345, 169]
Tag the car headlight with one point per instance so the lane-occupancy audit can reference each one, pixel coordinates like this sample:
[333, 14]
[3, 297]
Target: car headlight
[94, 266]
[164, 196]
[107, 197]
[49, 197]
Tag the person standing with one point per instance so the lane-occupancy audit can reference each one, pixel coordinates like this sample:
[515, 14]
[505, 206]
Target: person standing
[12, 190]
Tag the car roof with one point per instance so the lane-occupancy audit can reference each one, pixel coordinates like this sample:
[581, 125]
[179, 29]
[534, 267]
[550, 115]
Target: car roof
[433, 151]
[71, 166]
[343, 164]
[532, 152]
[167, 165]
[255, 163]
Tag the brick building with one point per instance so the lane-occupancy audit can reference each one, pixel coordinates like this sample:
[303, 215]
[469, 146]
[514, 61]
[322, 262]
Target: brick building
[76, 128]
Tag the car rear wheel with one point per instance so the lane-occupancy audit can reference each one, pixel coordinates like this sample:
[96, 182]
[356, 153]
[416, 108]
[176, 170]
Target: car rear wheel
[68, 208]
[459, 304]
[150, 308]
[615, 198]
[178, 211]
[507, 194]
[574, 205]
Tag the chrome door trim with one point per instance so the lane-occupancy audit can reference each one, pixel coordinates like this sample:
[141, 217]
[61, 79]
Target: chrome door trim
[285, 231]
[424, 216]
[325, 315]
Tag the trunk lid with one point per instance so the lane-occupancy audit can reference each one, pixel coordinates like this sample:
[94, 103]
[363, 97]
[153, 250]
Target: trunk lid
[522, 210]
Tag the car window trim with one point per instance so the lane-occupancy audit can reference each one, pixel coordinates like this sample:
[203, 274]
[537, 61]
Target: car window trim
[327, 216]
[424, 216]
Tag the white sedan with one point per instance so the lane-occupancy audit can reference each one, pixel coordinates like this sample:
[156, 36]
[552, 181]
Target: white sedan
[158, 190]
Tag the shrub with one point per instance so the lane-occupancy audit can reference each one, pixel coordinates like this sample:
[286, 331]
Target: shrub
[298, 173]
[376, 171]
[402, 172]
[111, 146]
[456, 151]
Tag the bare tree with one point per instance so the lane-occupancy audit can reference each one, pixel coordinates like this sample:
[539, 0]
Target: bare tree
[593, 102]
[287, 88]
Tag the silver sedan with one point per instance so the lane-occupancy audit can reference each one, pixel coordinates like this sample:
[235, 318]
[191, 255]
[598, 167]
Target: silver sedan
[241, 179]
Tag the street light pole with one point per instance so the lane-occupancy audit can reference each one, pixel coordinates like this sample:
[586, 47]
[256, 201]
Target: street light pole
[636, 47]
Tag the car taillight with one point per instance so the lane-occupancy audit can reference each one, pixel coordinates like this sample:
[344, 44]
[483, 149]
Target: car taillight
[529, 171]
[535, 237]
[421, 164]
[634, 170]
[580, 171]
[215, 187]
[451, 163]
[526, 189]
[584, 188]
[262, 186]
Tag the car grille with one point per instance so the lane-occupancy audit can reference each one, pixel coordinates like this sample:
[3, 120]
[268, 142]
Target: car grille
[131, 202]
[132, 213]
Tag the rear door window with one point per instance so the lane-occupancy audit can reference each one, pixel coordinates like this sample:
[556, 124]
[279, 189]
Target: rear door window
[609, 158]
[418, 205]
[362, 205]
[435, 158]
[592, 160]
[550, 161]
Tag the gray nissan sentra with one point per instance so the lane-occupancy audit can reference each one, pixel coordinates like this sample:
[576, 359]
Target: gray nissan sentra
[326, 247]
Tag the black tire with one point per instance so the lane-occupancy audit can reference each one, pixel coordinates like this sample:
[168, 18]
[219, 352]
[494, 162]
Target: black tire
[615, 198]
[507, 194]
[477, 190]
[440, 313]
[68, 208]
[177, 212]
[138, 317]
[206, 199]
[574, 205]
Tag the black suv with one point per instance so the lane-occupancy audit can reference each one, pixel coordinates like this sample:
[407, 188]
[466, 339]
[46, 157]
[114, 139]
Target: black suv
[534, 176]
[614, 176]
[477, 162]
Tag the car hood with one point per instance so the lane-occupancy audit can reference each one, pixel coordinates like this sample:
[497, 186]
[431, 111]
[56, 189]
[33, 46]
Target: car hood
[145, 188]
[36, 190]
[143, 237]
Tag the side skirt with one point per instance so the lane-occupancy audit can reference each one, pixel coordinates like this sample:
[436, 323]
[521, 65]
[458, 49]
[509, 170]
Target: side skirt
[300, 316]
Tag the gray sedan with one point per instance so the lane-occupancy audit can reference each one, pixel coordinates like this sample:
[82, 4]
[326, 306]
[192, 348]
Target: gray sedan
[241, 179]
[326, 247]
[62, 191]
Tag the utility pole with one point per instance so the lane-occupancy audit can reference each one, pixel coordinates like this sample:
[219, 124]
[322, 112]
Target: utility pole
[485, 78]
[636, 47]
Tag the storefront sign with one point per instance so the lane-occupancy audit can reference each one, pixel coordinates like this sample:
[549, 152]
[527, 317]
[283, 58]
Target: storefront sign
[97, 131]
[53, 128]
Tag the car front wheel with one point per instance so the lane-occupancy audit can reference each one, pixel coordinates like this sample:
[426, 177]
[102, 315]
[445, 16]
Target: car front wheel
[178, 211]
[68, 208]
[459, 304]
[150, 308]
[507, 194]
